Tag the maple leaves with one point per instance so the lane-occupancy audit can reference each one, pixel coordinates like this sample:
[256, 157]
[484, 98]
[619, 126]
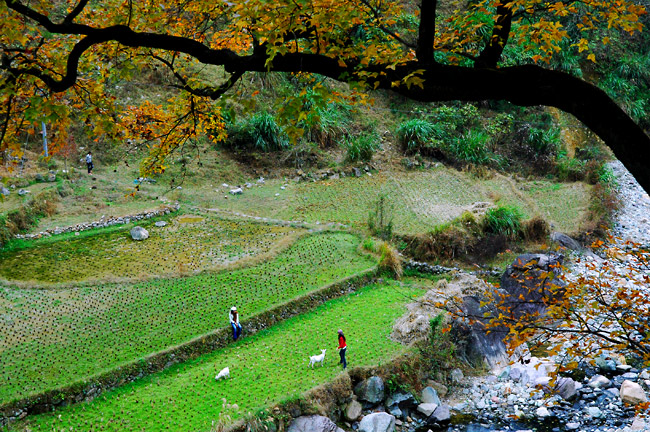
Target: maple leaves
[603, 309]
[72, 53]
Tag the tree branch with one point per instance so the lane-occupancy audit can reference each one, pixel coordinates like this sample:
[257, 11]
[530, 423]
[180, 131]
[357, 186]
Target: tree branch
[426, 31]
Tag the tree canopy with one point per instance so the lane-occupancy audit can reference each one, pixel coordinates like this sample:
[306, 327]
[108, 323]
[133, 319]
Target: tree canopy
[61, 60]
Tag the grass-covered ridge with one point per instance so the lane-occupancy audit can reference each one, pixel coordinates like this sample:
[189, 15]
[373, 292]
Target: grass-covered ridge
[184, 246]
[265, 368]
[59, 336]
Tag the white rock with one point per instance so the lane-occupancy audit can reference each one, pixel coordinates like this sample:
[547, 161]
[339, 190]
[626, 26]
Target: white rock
[427, 408]
[542, 412]
[632, 393]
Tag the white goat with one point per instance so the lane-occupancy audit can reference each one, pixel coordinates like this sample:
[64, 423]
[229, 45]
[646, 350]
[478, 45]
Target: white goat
[317, 359]
[225, 373]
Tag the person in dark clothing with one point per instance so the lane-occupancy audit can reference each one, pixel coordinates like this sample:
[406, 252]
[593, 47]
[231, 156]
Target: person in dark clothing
[234, 323]
[342, 349]
[89, 162]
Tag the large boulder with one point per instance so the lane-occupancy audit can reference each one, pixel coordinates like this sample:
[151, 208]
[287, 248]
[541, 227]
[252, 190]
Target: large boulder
[370, 390]
[4, 191]
[139, 233]
[632, 393]
[530, 279]
[565, 241]
[313, 423]
[429, 395]
[377, 422]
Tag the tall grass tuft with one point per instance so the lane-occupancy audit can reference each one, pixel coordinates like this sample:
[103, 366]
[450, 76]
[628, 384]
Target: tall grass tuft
[260, 132]
[415, 134]
[361, 147]
[504, 220]
[390, 261]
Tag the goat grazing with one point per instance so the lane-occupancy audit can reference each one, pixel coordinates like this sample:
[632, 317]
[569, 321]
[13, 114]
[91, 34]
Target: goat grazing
[225, 373]
[317, 359]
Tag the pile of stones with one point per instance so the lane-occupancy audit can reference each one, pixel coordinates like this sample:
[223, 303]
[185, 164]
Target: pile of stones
[102, 223]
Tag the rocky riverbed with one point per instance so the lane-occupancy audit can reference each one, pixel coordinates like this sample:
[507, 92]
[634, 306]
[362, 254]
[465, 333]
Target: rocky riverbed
[604, 399]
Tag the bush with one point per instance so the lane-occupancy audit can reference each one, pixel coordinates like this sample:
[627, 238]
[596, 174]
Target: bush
[448, 241]
[505, 220]
[361, 147]
[390, 262]
[570, 169]
[472, 147]
[437, 350]
[544, 142]
[536, 229]
[260, 132]
[415, 134]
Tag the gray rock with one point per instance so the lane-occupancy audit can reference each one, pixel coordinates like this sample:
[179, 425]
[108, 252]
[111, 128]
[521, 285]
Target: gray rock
[400, 398]
[139, 233]
[160, 224]
[51, 177]
[457, 375]
[313, 423]
[566, 388]
[565, 241]
[377, 422]
[22, 192]
[599, 381]
[594, 412]
[357, 172]
[236, 191]
[39, 177]
[4, 191]
[370, 390]
[441, 414]
[429, 395]
[352, 411]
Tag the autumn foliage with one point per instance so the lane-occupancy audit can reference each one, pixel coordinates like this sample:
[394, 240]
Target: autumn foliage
[62, 61]
[601, 307]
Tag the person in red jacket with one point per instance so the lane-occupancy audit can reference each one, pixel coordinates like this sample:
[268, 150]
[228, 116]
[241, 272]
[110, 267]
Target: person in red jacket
[342, 348]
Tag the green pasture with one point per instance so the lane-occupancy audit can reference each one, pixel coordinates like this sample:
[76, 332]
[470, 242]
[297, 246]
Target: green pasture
[421, 199]
[53, 337]
[265, 368]
[187, 244]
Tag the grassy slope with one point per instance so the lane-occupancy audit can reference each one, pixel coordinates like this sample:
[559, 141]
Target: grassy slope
[265, 368]
[59, 336]
[184, 246]
[422, 199]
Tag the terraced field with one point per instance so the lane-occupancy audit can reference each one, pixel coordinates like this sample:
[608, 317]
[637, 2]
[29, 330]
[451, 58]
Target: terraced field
[266, 368]
[186, 245]
[54, 337]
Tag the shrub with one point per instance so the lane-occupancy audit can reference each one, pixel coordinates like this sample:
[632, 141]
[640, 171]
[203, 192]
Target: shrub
[437, 350]
[505, 220]
[570, 169]
[447, 241]
[415, 134]
[544, 142]
[536, 229]
[260, 132]
[361, 147]
[472, 147]
[390, 261]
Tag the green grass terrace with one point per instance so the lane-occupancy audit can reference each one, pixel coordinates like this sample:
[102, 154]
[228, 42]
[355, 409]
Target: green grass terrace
[58, 336]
